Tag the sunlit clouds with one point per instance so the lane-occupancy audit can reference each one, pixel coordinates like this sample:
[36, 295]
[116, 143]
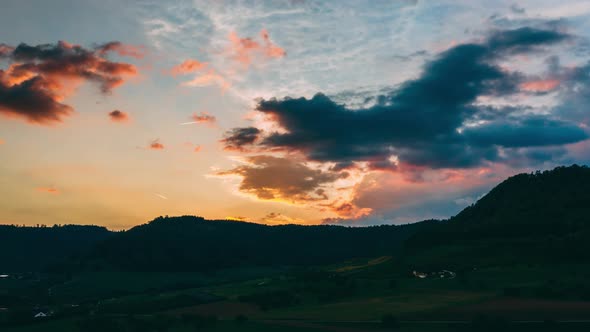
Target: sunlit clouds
[247, 50]
[187, 67]
[540, 85]
[39, 78]
[281, 112]
[239, 54]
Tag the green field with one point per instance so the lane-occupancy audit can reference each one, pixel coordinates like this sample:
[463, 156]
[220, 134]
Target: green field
[352, 296]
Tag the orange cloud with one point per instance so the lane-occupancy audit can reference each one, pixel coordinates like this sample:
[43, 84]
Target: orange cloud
[1, 141]
[540, 85]
[48, 190]
[156, 145]
[187, 67]
[118, 116]
[245, 50]
[275, 218]
[197, 149]
[282, 179]
[236, 218]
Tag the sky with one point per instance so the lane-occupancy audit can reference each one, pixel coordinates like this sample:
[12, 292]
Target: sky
[309, 112]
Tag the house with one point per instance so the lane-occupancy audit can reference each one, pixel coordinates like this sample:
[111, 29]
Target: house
[41, 314]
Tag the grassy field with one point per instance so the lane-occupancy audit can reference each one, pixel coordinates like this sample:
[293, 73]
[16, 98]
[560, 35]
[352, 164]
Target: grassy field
[352, 296]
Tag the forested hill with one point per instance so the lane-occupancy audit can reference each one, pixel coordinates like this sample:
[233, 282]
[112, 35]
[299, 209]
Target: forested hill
[191, 244]
[34, 248]
[528, 217]
[538, 217]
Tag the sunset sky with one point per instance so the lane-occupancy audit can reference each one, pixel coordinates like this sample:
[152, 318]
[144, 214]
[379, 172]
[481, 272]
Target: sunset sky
[301, 111]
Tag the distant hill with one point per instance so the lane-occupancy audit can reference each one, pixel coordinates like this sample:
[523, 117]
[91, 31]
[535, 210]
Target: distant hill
[537, 217]
[35, 248]
[191, 243]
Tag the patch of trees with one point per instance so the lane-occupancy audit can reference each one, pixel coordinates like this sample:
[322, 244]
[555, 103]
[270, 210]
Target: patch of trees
[194, 244]
[25, 249]
[541, 217]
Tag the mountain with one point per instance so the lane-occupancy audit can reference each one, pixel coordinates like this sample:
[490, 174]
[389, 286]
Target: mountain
[35, 248]
[536, 217]
[191, 243]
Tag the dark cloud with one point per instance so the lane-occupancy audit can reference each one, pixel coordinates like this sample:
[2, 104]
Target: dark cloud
[271, 178]
[237, 138]
[422, 122]
[118, 116]
[528, 132]
[33, 100]
[524, 39]
[39, 77]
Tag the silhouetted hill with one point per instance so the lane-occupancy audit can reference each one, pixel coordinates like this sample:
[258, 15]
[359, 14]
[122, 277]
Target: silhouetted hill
[26, 249]
[543, 217]
[537, 217]
[191, 244]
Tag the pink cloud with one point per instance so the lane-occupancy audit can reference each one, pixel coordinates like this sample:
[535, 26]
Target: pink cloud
[209, 77]
[246, 50]
[187, 67]
[540, 85]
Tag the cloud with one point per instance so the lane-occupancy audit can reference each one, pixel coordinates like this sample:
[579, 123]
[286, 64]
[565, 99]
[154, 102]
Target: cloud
[187, 67]
[516, 9]
[203, 117]
[33, 99]
[193, 147]
[274, 218]
[118, 116]
[247, 50]
[236, 218]
[523, 40]
[283, 179]
[40, 77]
[528, 132]
[47, 190]
[156, 145]
[422, 123]
[121, 49]
[237, 138]
[5, 50]
[204, 74]
[232, 60]
[540, 85]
